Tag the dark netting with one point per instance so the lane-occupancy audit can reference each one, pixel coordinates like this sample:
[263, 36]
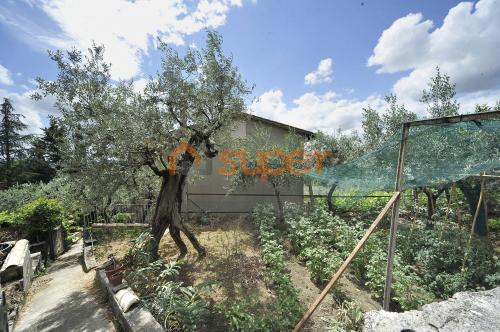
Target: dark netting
[435, 154]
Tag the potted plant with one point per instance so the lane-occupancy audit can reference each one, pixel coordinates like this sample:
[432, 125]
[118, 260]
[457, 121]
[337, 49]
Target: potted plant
[114, 272]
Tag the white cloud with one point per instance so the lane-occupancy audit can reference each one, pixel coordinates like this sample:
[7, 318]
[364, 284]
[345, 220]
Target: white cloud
[466, 47]
[322, 74]
[32, 111]
[5, 76]
[140, 84]
[313, 111]
[128, 29]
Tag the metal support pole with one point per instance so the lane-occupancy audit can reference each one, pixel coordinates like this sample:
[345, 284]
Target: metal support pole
[394, 218]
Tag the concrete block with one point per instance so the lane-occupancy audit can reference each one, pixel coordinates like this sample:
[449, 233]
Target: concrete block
[18, 265]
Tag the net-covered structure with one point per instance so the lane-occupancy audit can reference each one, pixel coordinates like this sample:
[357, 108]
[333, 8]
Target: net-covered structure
[436, 153]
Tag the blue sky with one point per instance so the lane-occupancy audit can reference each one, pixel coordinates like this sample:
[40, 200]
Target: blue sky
[315, 64]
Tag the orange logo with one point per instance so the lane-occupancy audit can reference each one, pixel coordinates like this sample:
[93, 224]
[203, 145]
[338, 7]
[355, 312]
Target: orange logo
[297, 162]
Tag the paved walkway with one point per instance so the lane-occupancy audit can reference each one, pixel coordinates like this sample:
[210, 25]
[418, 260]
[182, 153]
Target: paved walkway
[65, 299]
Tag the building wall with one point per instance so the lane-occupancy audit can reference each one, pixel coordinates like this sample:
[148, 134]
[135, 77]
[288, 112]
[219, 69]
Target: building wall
[208, 192]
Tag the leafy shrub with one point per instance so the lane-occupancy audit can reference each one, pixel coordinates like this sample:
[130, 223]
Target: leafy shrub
[7, 218]
[241, 316]
[286, 305]
[40, 215]
[493, 279]
[121, 218]
[439, 259]
[349, 317]
[16, 196]
[494, 225]
[176, 306]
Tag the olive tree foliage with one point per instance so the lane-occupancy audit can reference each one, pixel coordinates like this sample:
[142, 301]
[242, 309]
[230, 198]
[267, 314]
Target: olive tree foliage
[337, 148]
[440, 100]
[114, 135]
[440, 95]
[481, 108]
[377, 127]
[279, 164]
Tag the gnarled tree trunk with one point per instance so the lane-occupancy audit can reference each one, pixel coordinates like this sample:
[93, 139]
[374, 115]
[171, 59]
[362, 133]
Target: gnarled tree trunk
[168, 215]
[329, 198]
[281, 213]
[312, 200]
[472, 189]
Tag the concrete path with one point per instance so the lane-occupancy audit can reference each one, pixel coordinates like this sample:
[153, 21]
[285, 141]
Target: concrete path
[65, 299]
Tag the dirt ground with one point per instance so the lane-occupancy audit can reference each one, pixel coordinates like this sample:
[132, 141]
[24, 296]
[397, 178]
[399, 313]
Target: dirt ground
[232, 264]
[234, 269]
[308, 292]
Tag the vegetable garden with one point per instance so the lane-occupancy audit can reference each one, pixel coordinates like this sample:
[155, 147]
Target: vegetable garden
[437, 177]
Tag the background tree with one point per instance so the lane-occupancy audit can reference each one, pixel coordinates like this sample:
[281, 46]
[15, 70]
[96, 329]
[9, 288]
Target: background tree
[12, 141]
[440, 96]
[373, 130]
[111, 130]
[394, 116]
[255, 165]
[481, 108]
[341, 146]
[378, 128]
[51, 141]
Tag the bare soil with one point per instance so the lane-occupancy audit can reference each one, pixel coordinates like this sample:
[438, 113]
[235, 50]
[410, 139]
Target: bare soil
[309, 291]
[234, 269]
[232, 265]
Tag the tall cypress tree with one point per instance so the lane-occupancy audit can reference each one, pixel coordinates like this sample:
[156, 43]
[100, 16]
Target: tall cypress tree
[52, 138]
[12, 142]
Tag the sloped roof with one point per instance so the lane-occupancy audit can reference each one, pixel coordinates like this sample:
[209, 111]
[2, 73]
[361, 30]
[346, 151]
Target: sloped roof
[299, 131]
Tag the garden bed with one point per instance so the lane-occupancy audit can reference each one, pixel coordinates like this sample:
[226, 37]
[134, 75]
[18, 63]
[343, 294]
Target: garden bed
[258, 275]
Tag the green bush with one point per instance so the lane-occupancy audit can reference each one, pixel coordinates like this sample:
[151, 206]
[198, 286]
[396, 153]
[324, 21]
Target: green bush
[441, 262]
[177, 306]
[323, 241]
[17, 196]
[40, 215]
[494, 225]
[286, 304]
[7, 218]
[285, 309]
[121, 218]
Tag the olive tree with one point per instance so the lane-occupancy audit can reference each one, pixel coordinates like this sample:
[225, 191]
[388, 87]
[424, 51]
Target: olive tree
[278, 164]
[337, 149]
[112, 133]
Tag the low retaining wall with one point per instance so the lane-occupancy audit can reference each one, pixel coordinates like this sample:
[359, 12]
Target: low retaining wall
[17, 265]
[136, 319]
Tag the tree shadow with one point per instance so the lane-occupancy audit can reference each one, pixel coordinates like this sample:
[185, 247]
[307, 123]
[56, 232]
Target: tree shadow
[78, 311]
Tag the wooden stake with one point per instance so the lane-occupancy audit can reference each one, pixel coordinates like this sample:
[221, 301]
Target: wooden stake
[476, 214]
[394, 219]
[479, 203]
[344, 265]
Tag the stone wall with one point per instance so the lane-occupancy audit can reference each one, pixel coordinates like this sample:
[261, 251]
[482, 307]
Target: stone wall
[465, 311]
